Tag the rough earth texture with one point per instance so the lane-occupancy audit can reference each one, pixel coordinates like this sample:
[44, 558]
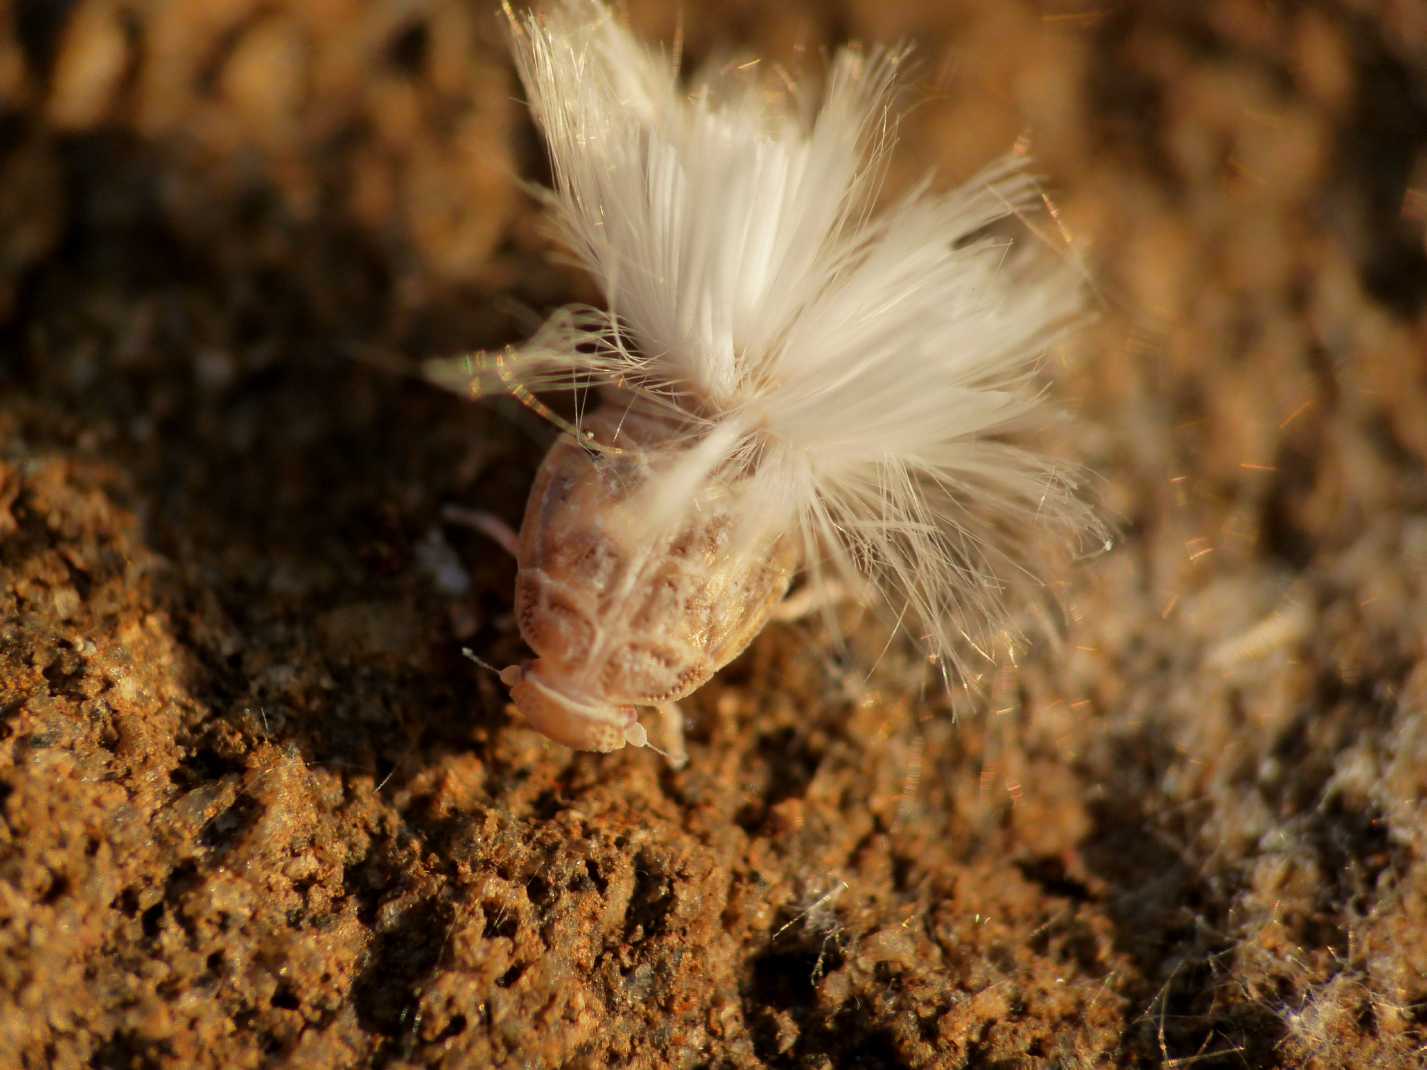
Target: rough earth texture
[257, 810]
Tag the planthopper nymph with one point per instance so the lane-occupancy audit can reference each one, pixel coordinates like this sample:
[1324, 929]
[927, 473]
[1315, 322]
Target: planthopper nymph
[790, 382]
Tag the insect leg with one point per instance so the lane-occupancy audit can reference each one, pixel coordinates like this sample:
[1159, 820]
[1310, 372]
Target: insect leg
[817, 596]
[671, 734]
[488, 524]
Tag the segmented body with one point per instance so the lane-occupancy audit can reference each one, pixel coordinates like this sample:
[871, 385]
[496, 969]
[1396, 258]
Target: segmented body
[620, 616]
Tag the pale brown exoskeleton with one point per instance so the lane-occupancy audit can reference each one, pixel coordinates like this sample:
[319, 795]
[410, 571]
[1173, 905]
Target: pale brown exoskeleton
[620, 616]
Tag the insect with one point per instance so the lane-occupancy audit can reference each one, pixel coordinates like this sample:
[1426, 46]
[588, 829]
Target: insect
[790, 383]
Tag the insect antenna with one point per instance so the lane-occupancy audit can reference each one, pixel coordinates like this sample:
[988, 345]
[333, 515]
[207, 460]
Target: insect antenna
[509, 676]
[471, 655]
[648, 745]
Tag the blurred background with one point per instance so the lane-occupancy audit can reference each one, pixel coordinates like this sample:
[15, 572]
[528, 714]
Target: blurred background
[256, 809]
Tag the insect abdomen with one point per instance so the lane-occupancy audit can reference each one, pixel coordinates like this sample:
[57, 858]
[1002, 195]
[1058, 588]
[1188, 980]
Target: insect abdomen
[621, 615]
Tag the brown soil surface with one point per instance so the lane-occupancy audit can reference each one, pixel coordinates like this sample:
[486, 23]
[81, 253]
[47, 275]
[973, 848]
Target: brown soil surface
[255, 808]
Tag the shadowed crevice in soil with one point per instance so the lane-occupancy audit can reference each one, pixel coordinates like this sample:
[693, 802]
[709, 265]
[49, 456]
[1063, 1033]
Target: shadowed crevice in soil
[130, 1050]
[1390, 142]
[388, 990]
[38, 24]
[792, 1029]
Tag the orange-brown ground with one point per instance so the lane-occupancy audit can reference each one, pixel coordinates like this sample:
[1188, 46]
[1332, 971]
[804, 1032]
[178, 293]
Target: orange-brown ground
[256, 810]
